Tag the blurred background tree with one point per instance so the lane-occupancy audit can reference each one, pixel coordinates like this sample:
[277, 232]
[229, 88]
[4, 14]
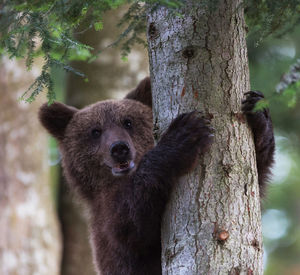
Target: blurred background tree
[269, 60]
[30, 241]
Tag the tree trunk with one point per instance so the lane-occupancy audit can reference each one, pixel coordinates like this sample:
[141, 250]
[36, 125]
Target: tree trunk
[199, 61]
[29, 233]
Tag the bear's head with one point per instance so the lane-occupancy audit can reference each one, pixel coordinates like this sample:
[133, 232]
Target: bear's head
[104, 140]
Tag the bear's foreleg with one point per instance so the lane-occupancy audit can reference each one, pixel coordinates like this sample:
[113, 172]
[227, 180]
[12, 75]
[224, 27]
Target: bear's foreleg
[175, 155]
[261, 125]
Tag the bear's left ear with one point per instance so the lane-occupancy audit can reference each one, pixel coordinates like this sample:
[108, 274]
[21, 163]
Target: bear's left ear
[142, 92]
[55, 118]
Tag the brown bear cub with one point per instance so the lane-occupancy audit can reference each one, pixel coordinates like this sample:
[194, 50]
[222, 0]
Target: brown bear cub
[109, 157]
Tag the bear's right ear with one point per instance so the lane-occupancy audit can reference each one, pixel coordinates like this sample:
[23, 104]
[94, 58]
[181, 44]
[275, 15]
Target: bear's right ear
[142, 92]
[55, 118]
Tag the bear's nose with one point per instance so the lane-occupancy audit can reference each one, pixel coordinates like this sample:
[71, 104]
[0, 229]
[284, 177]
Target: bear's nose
[120, 151]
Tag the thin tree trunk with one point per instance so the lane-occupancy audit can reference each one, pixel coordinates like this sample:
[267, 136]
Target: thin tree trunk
[199, 61]
[29, 233]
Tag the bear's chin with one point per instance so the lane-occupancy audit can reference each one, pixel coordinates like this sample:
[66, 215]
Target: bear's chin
[123, 169]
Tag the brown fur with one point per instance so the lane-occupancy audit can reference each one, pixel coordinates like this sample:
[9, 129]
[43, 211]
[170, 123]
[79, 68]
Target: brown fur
[142, 92]
[125, 208]
[126, 202]
[87, 155]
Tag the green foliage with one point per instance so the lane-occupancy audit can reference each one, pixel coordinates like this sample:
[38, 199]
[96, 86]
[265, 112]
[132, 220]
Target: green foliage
[260, 105]
[29, 29]
[290, 95]
[269, 17]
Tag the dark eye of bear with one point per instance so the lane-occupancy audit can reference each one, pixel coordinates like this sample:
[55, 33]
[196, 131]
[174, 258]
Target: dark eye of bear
[96, 133]
[127, 124]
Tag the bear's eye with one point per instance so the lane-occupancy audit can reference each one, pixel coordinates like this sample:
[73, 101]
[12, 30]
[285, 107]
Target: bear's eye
[96, 133]
[127, 123]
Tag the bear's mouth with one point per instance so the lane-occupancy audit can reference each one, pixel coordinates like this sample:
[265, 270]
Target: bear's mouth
[122, 168]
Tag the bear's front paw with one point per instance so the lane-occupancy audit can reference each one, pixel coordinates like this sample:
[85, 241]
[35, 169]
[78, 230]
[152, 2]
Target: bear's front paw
[189, 132]
[188, 135]
[258, 120]
[248, 105]
[252, 97]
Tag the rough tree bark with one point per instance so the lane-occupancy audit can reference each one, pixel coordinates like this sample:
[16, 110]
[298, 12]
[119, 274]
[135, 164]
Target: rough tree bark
[29, 233]
[199, 61]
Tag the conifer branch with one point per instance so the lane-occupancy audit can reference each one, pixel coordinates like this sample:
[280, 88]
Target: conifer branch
[45, 27]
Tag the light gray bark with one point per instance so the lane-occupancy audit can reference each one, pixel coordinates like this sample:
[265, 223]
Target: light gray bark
[199, 61]
[29, 232]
